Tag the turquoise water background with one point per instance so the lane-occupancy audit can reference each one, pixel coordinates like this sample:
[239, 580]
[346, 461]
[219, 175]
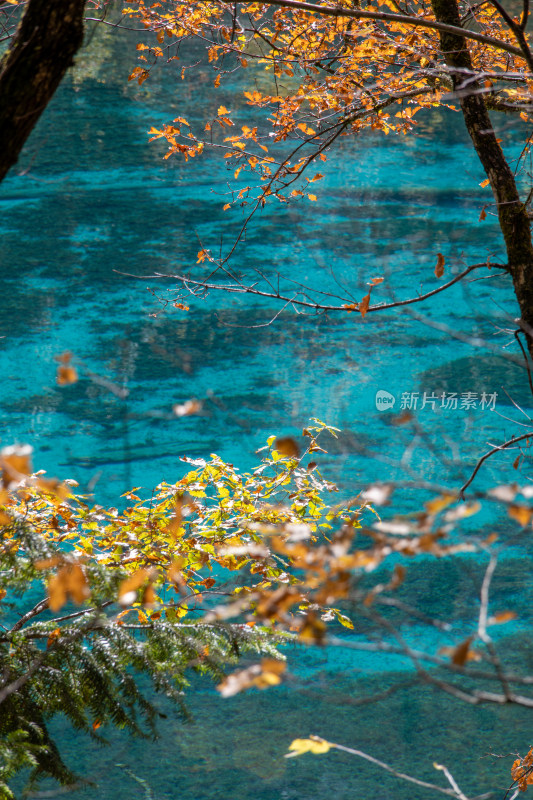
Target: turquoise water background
[89, 200]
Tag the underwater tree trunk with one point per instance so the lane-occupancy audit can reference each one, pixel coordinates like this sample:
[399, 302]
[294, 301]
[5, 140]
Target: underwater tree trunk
[42, 49]
[512, 214]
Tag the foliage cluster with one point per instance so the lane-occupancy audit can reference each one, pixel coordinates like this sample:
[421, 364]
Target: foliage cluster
[211, 567]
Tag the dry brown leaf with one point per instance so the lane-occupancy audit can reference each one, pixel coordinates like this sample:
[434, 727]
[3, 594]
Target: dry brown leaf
[439, 269]
[462, 653]
[288, 447]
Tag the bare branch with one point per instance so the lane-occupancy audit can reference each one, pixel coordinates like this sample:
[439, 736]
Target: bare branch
[490, 453]
[402, 775]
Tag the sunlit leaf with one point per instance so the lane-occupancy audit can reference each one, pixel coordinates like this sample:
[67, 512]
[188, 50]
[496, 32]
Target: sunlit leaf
[316, 745]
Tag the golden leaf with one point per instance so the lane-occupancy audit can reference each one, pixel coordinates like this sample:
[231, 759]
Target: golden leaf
[522, 514]
[314, 745]
[439, 503]
[66, 375]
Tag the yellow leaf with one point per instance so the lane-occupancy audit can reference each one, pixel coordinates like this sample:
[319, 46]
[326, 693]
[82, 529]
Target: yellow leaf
[484, 183]
[312, 197]
[314, 745]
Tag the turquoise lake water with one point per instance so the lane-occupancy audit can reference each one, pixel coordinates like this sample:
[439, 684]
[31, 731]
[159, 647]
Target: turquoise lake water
[90, 199]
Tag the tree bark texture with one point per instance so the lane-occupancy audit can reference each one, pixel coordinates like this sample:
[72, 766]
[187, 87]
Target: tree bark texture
[42, 49]
[512, 214]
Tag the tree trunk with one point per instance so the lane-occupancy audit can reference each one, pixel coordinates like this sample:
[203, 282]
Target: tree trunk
[513, 218]
[42, 49]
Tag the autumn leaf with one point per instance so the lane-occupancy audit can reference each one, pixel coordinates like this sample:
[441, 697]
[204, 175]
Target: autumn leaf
[312, 629]
[56, 633]
[462, 653]
[66, 373]
[188, 408]
[127, 593]
[439, 503]
[314, 745]
[70, 582]
[502, 617]
[260, 676]
[287, 447]
[439, 269]
[520, 513]
[363, 305]
[15, 462]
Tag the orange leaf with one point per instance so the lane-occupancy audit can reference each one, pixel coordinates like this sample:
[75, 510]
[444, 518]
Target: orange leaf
[501, 617]
[127, 593]
[439, 269]
[56, 633]
[15, 463]
[363, 305]
[522, 514]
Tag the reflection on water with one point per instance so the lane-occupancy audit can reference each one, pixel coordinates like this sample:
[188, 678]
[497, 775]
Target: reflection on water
[93, 202]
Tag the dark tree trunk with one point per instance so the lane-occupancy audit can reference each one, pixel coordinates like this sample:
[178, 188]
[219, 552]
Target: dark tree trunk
[42, 49]
[513, 218]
